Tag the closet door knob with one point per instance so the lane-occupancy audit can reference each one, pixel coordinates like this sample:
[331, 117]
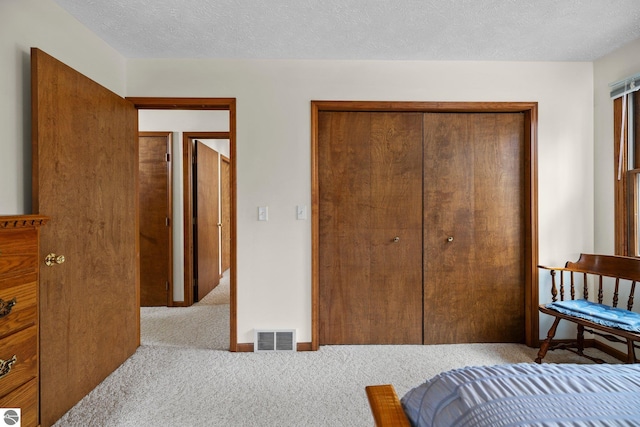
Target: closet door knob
[396, 239]
[52, 259]
[450, 239]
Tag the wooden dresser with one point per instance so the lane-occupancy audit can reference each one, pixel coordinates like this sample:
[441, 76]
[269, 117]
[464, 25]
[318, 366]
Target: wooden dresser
[19, 261]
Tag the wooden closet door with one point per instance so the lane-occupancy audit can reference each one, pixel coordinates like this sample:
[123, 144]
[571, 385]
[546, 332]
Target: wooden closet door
[370, 241]
[474, 228]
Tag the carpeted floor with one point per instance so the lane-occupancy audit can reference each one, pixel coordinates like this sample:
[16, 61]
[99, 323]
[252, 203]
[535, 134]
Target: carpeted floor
[183, 375]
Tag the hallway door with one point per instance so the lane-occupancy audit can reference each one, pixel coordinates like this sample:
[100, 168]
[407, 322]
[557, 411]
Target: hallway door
[207, 231]
[156, 219]
[225, 213]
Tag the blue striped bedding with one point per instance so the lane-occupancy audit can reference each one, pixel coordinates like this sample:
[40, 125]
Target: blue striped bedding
[528, 394]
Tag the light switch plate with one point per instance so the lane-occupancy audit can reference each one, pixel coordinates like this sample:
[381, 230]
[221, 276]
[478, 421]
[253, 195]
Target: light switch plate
[263, 213]
[301, 212]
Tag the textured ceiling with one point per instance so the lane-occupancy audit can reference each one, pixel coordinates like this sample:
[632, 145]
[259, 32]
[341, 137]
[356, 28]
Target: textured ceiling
[513, 30]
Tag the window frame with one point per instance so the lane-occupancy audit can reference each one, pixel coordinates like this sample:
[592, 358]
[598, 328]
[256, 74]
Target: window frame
[626, 180]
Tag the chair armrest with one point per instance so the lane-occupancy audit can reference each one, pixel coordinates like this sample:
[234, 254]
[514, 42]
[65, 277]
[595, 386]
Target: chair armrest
[544, 267]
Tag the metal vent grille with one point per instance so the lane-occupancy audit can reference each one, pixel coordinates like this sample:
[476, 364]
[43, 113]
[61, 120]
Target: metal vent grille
[275, 340]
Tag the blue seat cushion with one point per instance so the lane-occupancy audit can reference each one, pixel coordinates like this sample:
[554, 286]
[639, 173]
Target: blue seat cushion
[599, 313]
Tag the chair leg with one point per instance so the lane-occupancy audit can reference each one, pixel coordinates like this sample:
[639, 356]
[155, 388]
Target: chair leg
[546, 343]
[631, 352]
[580, 340]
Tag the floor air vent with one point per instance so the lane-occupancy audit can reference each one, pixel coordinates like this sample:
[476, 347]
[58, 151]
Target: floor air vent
[275, 340]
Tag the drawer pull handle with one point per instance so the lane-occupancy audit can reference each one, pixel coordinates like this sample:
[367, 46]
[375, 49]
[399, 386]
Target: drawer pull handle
[6, 306]
[6, 365]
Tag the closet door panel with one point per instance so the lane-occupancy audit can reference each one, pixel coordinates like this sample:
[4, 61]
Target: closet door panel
[370, 228]
[474, 228]
[396, 200]
[345, 249]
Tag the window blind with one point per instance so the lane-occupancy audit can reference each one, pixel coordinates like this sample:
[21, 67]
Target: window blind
[624, 89]
[625, 86]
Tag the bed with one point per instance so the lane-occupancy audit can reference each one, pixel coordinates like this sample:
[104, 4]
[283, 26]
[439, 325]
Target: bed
[525, 394]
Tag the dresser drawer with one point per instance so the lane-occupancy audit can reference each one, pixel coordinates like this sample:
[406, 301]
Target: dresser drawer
[18, 251]
[23, 346]
[18, 307]
[26, 398]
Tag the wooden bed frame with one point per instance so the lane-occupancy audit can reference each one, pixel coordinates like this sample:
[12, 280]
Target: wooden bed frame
[386, 407]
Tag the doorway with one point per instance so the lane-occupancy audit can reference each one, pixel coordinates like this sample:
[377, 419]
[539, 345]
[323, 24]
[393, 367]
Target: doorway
[386, 128]
[207, 213]
[220, 104]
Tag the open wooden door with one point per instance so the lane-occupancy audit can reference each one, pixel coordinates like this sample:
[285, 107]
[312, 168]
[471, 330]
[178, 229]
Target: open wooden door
[207, 236]
[225, 212]
[156, 255]
[85, 163]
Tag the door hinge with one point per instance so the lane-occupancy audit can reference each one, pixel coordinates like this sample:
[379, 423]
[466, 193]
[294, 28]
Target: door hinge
[167, 221]
[168, 157]
[167, 286]
[195, 159]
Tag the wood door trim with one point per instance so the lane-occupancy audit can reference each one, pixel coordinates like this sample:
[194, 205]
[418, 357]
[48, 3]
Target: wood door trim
[182, 103]
[169, 136]
[530, 111]
[228, 104]
[425, 107]
[155, 133]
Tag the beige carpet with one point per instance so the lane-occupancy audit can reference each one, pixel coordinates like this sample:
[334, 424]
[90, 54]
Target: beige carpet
[204, 325]
[183, 375]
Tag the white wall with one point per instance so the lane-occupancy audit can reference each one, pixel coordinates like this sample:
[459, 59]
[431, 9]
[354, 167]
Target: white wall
[273, 153]
[622, 63]
[42, 24]
[179, 121]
